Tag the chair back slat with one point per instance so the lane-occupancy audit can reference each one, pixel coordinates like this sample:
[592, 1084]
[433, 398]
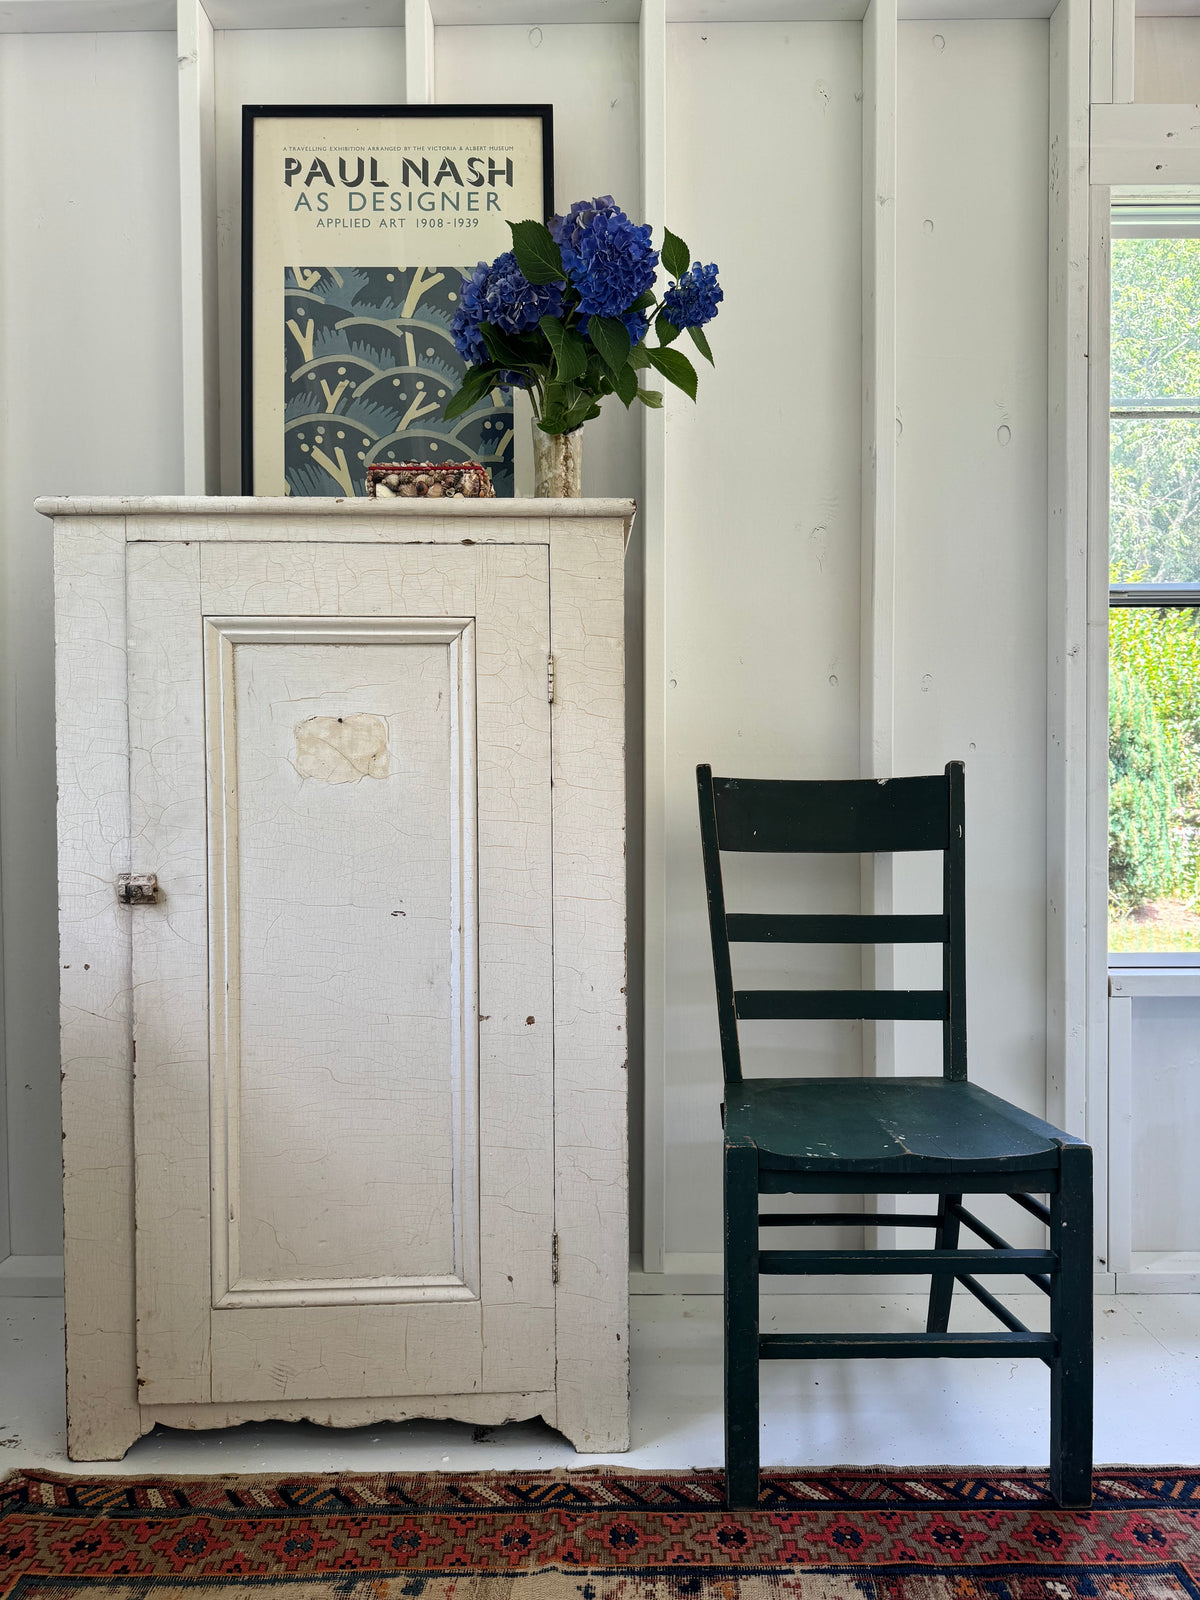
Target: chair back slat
[752, 928]
[954, 951]
[853, 816]
[843, 816]
[896, 1005]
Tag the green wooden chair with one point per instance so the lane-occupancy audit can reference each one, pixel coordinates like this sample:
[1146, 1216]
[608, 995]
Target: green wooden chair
[929, 1135]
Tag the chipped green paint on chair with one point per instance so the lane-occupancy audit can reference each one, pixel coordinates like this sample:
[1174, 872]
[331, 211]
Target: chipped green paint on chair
[938, 1135]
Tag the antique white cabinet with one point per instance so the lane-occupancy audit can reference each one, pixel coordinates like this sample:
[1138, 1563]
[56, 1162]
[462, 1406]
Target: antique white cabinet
[344, 1087]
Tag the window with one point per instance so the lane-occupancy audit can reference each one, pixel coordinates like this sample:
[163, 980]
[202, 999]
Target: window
[1154, 595]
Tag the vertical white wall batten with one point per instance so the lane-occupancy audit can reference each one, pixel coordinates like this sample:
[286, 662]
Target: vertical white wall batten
[198, 248]
[91, 380]
[1067, 796]
[1100, 21]
[1113, 28]
[877, 692]
[877, 626]
[652, 44]
[1124, 30]
[1101, 1108]
[419, 53]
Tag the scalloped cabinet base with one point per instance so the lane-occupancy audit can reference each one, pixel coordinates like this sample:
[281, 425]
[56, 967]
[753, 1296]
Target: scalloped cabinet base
[344, 1092]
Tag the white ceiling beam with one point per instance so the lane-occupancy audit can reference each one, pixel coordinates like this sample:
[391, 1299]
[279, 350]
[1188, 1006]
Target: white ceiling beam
[87, 16]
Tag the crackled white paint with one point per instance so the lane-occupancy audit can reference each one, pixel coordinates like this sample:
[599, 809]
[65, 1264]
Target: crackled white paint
[380, 1238]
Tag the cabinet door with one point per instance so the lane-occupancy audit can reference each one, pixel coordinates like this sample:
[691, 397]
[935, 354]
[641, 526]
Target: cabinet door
[340, 774]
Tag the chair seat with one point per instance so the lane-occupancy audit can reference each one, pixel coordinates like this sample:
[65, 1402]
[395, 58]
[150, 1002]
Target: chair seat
[885, 1125]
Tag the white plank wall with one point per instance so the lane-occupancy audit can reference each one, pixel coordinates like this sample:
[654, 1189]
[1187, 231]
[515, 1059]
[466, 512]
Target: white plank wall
[762, 534]
[1167, 60]
[971, 513]
[293, 66]
[819, 584]
[91, 385]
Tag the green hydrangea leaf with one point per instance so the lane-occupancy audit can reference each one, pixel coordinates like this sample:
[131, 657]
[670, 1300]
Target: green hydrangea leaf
[700, 340]
[504, 350]
[611, 340]
[626, 385]
[477, 383]
[538, 257]
[557, 402]
[676, 256]
[667, 331]
[583, 410]
[651, 398]
[676, 368]
[570, 352]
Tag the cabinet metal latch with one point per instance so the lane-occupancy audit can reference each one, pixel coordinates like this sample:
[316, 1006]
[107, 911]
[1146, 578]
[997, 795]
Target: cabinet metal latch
[137, 889]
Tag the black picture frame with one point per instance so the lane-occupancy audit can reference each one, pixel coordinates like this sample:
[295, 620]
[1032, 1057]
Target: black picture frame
[253, 113]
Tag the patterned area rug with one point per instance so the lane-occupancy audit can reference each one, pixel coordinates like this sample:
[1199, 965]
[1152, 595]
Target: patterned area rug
[598, 1535]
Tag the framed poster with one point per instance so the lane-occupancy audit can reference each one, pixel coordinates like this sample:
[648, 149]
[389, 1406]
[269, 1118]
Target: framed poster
[358, 223]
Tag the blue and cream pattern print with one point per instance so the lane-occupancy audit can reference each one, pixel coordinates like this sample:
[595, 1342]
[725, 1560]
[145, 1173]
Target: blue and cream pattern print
[369, 369]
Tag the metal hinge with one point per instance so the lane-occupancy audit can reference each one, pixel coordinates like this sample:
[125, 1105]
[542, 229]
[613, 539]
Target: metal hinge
[554, 1259]
[550, 679]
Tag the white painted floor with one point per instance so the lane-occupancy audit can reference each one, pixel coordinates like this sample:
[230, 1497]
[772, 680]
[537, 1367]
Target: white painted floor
[906, 1413]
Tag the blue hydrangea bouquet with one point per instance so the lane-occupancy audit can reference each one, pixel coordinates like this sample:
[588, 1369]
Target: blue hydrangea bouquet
[566, 314]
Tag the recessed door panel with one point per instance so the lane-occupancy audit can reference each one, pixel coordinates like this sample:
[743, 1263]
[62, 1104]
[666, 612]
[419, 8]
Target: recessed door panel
[343, 831]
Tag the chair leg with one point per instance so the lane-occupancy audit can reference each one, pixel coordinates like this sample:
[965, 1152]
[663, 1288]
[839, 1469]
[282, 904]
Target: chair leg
[1071, 1323]
[741, 1325]
[941, 1290]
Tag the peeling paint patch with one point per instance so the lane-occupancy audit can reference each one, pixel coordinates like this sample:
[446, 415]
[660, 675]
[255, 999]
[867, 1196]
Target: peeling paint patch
[342, 749]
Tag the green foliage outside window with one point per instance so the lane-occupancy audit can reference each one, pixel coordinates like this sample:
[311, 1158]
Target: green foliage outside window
[1154, 756]
[1154, 748]
[1141, 796]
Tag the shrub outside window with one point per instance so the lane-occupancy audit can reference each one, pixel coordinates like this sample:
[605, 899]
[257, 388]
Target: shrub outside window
[1154, 595]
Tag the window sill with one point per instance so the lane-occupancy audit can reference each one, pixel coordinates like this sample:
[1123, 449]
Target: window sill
[1139, 982]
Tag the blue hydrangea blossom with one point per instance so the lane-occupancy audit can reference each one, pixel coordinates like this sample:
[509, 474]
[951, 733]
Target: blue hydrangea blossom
[609, 260]
[693, 301]
[637, 325]
[569, 229]
[499, 292]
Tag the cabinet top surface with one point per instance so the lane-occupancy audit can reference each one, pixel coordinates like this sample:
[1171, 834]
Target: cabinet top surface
[218, 506]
